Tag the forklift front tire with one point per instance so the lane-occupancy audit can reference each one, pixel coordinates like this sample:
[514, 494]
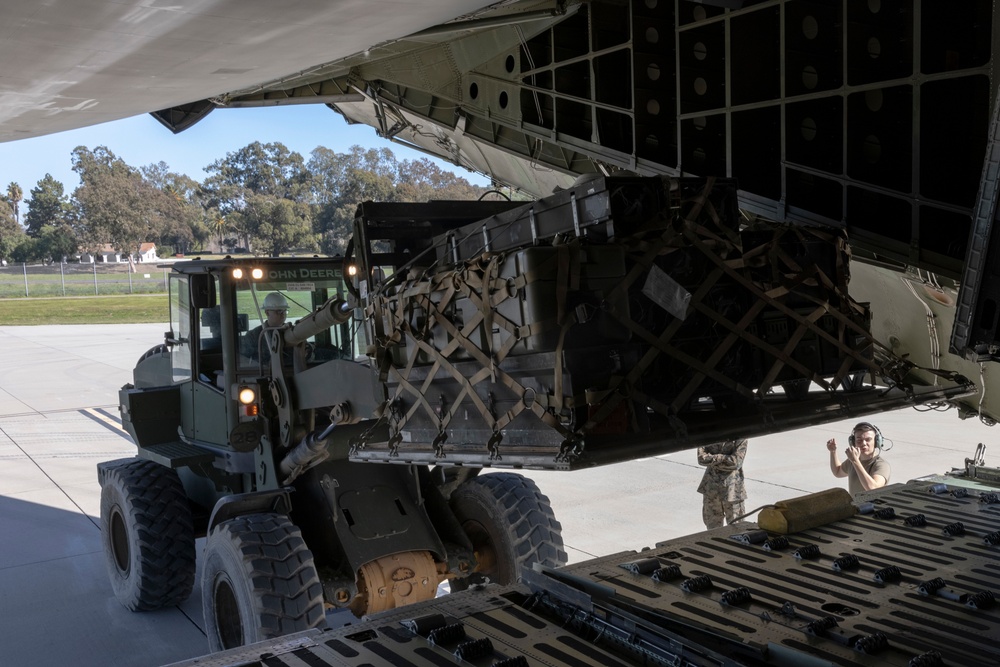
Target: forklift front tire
[258, 582]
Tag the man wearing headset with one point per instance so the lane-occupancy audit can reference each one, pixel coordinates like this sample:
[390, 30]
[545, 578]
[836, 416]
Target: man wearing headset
[864, 469]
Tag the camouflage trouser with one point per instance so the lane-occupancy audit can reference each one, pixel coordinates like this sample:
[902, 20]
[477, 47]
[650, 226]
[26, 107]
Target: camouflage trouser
[715, 509]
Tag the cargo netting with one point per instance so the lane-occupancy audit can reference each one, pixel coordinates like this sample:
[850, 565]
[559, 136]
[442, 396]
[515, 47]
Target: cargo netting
[622, 318]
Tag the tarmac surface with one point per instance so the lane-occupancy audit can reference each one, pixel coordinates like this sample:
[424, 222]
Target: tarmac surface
[59, 419]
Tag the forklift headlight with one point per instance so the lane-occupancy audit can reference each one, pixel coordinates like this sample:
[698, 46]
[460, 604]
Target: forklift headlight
[247, 395]
[352, 270]
[257, 274]
[237, 274]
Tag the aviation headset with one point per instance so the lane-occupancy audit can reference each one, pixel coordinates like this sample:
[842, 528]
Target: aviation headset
[865, 426]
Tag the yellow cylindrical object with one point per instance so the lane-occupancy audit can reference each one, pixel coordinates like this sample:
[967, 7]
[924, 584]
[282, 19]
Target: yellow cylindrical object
[805, 512]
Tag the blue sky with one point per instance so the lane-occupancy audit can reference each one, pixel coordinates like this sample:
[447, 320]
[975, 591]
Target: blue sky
[141, 140]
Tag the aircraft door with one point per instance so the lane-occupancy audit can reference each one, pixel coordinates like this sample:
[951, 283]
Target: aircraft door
[208, 385]
[180, 341]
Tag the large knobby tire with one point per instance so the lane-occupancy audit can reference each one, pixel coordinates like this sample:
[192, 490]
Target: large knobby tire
[510, 524]
[148, 535]
[258, 582]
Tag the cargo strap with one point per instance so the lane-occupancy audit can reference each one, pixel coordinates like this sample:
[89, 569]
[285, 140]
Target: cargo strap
[649, 250]
[806, 323]
[411, 313]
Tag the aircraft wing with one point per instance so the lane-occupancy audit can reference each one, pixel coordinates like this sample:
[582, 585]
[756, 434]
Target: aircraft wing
[74, 63]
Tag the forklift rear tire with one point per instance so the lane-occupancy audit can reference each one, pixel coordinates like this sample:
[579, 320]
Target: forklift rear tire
[510, 524]
[258, 582]
[148, 535]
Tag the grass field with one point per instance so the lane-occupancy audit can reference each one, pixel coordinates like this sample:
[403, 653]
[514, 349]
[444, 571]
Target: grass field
[136, 309]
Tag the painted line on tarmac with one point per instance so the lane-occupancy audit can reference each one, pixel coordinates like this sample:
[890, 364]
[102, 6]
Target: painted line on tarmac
[113, 416]
[43, 413]
[106, 419]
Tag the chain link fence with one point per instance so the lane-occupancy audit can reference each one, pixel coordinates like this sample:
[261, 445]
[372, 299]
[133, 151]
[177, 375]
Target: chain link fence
[76, 279]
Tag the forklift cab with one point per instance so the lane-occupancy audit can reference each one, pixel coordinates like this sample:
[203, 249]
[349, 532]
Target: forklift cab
[215, 305]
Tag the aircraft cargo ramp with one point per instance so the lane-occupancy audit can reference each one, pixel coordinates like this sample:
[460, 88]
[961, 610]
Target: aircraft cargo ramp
[911, 579]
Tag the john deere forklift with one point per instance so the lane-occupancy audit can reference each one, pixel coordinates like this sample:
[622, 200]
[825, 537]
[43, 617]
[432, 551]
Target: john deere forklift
[243, 432]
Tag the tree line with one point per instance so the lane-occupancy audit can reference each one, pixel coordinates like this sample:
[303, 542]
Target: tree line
[262, 199]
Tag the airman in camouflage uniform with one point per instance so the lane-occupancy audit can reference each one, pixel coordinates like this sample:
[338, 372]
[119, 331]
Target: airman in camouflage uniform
[722, 485]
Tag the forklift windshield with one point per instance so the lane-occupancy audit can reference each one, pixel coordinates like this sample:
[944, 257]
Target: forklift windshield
[283, 296]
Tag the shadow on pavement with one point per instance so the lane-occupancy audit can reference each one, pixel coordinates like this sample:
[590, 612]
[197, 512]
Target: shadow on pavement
[58, 606]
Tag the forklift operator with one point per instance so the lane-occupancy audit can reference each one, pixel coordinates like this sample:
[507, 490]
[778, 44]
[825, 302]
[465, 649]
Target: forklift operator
[276, 310]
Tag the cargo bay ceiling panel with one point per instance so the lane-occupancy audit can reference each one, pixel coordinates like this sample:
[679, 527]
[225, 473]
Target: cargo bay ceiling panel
[870, 115]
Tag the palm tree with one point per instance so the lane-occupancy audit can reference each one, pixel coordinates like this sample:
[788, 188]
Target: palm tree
[15, 194]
